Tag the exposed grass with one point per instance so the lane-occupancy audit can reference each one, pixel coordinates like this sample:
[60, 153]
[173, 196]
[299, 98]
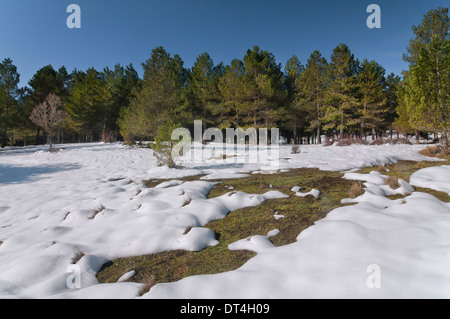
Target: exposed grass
[77, 256]
[404, 170]
[392, 181]
[148, 282]
[356, 190]
[97, 211]
[435, 151]
[300, 213]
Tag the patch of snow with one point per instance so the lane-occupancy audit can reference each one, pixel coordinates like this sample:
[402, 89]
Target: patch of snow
[437, 178]
[256, 243]
[50, 210]
[313, 192]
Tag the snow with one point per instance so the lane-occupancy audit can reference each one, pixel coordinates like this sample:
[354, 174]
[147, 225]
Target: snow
[436, 178]
[256, 243]
[407, 241]
[313, 192]
[92, 198]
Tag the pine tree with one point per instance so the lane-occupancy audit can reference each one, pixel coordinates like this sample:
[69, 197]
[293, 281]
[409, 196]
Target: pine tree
[340, 97]
[293, 112]
[425, 91]
[233, 108]
[371, 82]
[263, 88]
[9, 81]
[86, 102]
[164, 145]
[313, 84]
[435, 23]
[119, 84]
[159, 100]
[392, 84]
[202, 92]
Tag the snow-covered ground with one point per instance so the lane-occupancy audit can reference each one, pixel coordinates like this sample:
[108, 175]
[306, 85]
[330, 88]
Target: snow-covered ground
[91, 198]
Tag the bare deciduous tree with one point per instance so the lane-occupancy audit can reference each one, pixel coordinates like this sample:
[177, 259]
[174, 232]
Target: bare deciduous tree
[49, 115]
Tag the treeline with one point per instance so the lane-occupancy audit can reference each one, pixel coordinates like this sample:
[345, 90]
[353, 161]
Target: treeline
[340, 96]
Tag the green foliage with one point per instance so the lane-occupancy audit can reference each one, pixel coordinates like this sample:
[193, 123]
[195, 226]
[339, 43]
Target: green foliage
[263, 88]
[164, 145]
[202, 91]
[311, 88]
[425, 92]
[88, 96]
[9, 95]
[234, 107]
[160, 99]
[392, 83]
[340, 97]
[435, 24]
[371, 112]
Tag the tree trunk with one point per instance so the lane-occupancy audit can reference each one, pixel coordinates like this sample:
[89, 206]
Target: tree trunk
[444, 142]
[319, 140]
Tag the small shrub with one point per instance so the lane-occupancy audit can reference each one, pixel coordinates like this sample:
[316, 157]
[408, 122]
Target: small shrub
[187, 230]
[149, 282]
[97, 211]
[78, 255]
[377, 142]
[356, 190]
[164, 145]
[329, 141]
[359, 141]
[392, 182]
[295, 149]
[107, 137]
[434, 151]
[380, 169]
[345, 142]
[187, 201]
[398, 141]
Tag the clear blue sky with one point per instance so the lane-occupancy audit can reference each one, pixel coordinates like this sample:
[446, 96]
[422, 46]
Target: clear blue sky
[33, 33]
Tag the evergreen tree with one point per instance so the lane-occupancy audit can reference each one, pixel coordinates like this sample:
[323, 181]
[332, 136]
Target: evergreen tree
[434, 24]
[10, 92]
[159, 100]
[406, 97]
[424, 97]
[313, 84]
[371, 83]
[391, 88]
[233, 109]
[263, 88]
[293, 112]
[119, 85]
[86, 102]
[340, 97]
[202, 92]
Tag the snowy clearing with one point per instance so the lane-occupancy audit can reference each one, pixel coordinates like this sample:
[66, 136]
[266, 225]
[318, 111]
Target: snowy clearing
[92, 198]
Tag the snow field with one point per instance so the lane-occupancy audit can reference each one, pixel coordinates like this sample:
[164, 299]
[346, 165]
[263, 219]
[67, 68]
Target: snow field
[92, 198]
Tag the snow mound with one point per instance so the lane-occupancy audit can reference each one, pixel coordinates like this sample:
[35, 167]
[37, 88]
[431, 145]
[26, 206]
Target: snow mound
[437, 178]
[256, 243]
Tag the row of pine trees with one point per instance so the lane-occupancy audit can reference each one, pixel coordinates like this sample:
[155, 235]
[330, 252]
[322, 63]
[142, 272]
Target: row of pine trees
[340, 96]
